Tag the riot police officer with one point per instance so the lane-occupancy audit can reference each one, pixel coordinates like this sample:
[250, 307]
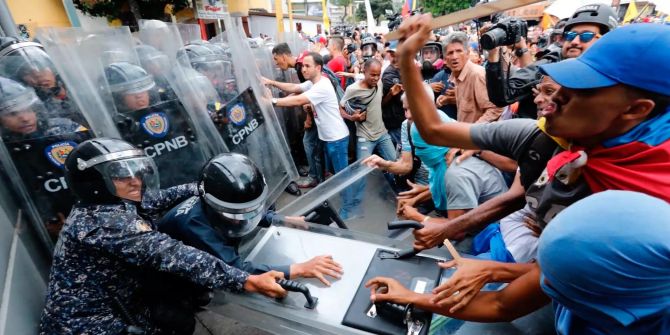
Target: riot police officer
[109, 239]
[157, 65]
[23, 115]
[28, 63]
[212, 62]
[231, 203]
[131, 86]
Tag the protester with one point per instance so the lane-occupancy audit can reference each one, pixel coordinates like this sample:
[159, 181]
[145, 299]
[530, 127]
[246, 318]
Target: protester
[319, 92]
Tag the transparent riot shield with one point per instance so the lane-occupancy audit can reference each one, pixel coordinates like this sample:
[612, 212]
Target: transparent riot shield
[263, 143]
[28, 63]
[294, 41]
[236, 119]
[128, 97]
[357, 198]
[35, 144]
[190, 33]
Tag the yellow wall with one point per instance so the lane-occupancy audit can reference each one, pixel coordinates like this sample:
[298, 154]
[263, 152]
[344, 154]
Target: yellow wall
[38, 13]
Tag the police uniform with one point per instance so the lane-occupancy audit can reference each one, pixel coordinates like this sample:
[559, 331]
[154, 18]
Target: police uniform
[97, 262]
[190, 224]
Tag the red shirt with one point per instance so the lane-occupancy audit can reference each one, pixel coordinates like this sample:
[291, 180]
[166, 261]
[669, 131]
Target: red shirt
[339, 64]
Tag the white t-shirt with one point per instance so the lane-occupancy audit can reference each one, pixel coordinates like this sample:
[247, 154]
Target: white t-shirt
[329, 122]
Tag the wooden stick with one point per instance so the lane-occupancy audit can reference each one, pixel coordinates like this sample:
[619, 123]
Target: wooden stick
[470, 13]
[454, 253]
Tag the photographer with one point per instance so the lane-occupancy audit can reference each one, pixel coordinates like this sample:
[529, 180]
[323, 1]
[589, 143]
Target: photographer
[507, 86]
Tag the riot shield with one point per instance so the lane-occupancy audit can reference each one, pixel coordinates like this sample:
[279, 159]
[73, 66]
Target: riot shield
[28, 63]
[127, 97]
[190, 33]
[37, 141]
[39, 163]
[357, 198]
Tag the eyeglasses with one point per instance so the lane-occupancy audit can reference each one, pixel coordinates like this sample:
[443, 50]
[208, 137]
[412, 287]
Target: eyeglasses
[585, 36]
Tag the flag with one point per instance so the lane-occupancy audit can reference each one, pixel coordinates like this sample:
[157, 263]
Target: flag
[631, 12]
[405, 9]
[546, 21]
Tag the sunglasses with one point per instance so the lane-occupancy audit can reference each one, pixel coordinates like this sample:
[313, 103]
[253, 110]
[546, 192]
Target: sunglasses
[585, 36]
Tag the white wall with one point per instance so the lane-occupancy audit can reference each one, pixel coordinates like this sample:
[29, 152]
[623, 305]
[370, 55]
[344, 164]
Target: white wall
[268, 25]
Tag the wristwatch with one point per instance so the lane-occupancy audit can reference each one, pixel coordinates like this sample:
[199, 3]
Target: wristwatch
[274, 101]
[520, 52]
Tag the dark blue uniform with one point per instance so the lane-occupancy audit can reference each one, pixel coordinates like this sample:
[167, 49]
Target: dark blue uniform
[100, 256]
[189, 223]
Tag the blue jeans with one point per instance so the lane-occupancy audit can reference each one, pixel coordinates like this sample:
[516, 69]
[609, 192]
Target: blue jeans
[314, 151]
[364, 148]
[337, 153]
[395, 136]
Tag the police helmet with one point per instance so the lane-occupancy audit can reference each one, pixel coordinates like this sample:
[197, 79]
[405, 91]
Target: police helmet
[600, 14]
[152, 60]
[26, 62]
[106, 170]
[128, 78]
[208, 59]
[15, 99]
[234, 192]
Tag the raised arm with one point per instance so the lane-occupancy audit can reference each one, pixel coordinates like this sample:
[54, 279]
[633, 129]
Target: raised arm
[414, 33]
[286, 87]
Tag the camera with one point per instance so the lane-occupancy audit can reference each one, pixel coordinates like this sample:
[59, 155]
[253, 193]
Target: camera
[506, 31]
[351, 48]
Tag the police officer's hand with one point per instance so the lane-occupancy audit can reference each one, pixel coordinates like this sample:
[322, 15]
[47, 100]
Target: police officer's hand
[317, 267]
[266, 284]
[388, 289]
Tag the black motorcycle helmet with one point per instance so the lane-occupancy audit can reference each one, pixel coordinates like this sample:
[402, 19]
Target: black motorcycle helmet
[125, 78]
[234, 192]
[28, 63]
[15, 99]
[94, 167]
[600, 14]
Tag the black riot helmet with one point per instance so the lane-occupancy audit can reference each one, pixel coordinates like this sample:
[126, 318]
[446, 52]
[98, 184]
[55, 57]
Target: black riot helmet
[125, 78]
[107, 170]
[600, 14]
[234, 192]
[28, 63]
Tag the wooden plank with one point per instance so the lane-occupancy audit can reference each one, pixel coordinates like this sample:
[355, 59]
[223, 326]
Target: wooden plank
[471, 13]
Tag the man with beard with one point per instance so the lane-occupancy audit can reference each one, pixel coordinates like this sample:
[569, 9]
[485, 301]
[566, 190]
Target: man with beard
[582, 29]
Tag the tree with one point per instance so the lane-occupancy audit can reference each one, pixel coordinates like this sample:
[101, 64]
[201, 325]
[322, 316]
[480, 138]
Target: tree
[129, 11]
[379, 7]
[360, 13]
[343, 3]
[442, 7]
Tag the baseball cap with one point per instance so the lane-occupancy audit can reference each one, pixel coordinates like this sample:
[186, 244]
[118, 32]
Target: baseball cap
[635, 55]
[393, 45]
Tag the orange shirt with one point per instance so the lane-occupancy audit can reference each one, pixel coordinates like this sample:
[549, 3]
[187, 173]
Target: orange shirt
[472, 99]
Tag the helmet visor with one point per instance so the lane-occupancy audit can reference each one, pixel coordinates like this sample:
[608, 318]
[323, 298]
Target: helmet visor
[130, 178]
[30, 65]
[430, 53]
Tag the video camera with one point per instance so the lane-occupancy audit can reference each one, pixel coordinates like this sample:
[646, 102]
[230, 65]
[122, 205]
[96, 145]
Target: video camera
[396, 19]
[351, 48]
[506, 31]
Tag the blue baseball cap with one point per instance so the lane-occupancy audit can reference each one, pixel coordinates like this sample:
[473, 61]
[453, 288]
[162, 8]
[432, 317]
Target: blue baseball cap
[635, 55]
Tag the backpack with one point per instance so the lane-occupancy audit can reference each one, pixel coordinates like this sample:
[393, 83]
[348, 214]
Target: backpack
[328, 73]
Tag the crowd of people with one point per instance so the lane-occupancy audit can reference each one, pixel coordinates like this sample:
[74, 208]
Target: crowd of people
[546, 157]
